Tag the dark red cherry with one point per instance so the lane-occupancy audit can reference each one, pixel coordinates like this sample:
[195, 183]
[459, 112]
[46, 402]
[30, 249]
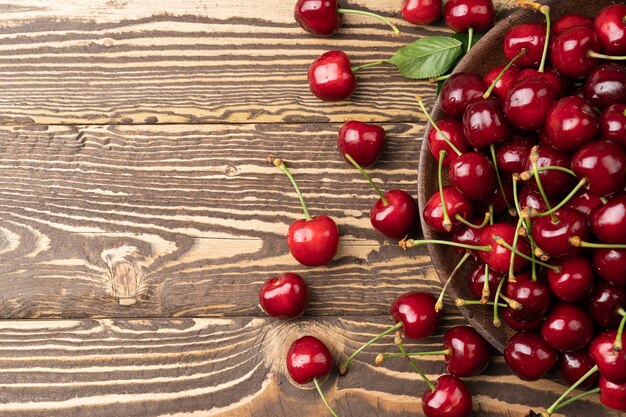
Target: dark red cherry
[331, 78]
[611, 364]
[473, 175]
[459, 91]
[397, 218]
[476, 282]
[421, 12]
[529, 36]
[603, 163]
[313, 242]
[504, 84]
[603, 304]
[362, 141]
[284, 296]
[584, 202]
[606, 85]
[613, 124]
[456, 204]
[511, 155]
[568, 51]
[529, 356]
[308, 358]
[610, 265]
[612, 395]
[608, 222]
[571, 20]
[468, 351]
[567, 328]
[484, 123]
[496, 199]
[574, 281]
[531, 197]
[468, 235]
[570, 123]
[499, 257]
[556, 80]
[528, 102]
[453, 130]
[519, 325]
[460, 15]
[572, 366]
[610, 27]
[552, 233]
[534, 296]
[318, 17]
[416, 311]
[450, 398]
[554, 183]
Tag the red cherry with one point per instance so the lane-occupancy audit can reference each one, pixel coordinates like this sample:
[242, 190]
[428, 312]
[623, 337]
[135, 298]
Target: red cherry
[397, 218]
[473, 175]
[570, 123]
[574, 281]
[552, 233]
[555, 183]
[611, 364]
[527, 103]
[467, 235]
[468, 351]
[519, 325]
[313, 242]
[496, 199]
[529, 36]
[568, 51]
[284, 296]
[610, 28]
[416, 311]
[476, 282]
[456, 204]
[610, 265]
[603, 304]
[454, 132]
[504, 84]
[571, 20]
[531, 197]
[613, 124]
[331, 78]
[308, 358]
[556, 80]
[484, 123]
[318, 17]
[449, 398]
[498, 257]
[612, 395]
[529, 356]
[458, 91]
[511, 155]
[572, 366]
[606, 85]
[461, 15]
[584, 202]
[567, 328]
[364, 142]
[534, 296]
[608, 222]
[421, 12]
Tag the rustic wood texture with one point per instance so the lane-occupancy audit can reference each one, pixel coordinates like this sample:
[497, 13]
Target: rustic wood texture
[138, 218]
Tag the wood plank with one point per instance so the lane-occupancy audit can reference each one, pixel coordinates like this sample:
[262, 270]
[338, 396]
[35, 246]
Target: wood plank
[172, 220]
[227, 367]
[144, 61]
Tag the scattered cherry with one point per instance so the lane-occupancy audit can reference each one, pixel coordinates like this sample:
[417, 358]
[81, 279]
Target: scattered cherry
[529, 356]
[364, 142]
[285, 296]
[331, 78]
[465, 15]
[468, 352]
[449, 397]
[421, 12]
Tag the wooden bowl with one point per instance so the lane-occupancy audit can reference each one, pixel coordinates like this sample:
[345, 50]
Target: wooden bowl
[486, 54]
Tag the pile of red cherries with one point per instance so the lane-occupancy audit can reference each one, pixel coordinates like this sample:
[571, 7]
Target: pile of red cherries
[535, 152]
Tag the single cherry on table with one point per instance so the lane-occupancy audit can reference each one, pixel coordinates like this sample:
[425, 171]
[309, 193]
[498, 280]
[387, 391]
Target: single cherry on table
[331, 78]
[284, 296]
[421, 12]
[364, 142]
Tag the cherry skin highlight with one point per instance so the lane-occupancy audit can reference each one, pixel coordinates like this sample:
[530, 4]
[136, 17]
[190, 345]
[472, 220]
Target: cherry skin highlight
[511, 156]
[456, 204]
[572, 366]
[498, 258]
[362, 141]
[529, 356]
[567, 328]
[318, 17]
[613, 124]
[308, 358]
[469, 352]
[608, 222]
[450, 398]
[331, 77]
[552, 233]
[606, 85]
[421, 12]
[584, 202]
[603, 303]
[460, 15]
[473, 175]
[458, 91]
[484, 123]
[504, 84]
[574, 281]
[610, 28]
[284, 296]
[612, 395]
[398, 218]
[570, 123]
[554, 182]
[534, 296]
[416, 311]
[568, 51]
[313, 242]
[528, 102]
[571, 20]
[603, 164]
[611, 364]
[529, 36]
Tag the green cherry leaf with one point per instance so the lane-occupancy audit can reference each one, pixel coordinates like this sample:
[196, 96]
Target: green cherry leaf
[427, 57]
[463, 37]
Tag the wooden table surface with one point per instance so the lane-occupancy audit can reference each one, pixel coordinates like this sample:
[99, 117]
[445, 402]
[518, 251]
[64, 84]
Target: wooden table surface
[138, 217]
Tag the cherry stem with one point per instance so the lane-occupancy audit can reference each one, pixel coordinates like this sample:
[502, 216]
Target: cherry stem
[420, 102]
[521, 53]
[439, 303]
[446, 223]
[484, 297]
[554, 406]
[460, 302]
[505, 245]
[368, 65]
[370, 14]
[492, 148]
[484, 223]
[546, 12]
[496, 314]
[319, 389]
[440, 78]
[413, 364]
[410, 243]
[516, 178]
[593, 54]
[368, 178]
[280, 164]
[567, 198]
[470, 36]
[577, 242]
[429, 353]
[577, 397]
[343, 368]
[544, 196]
[526, 176]
[512, 258]
[617, 345]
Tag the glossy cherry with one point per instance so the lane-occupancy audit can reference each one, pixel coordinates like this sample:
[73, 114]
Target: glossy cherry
[567, 328]
[529, 356]
[331, 77]
[453, 130]
[556, 80]
[504, 84]
[608, 222]
[461, 15]
[530, 197]
[421, 12]
[534, 296]
[570, 20]
[529, 36]
[473, 175]
[612, 395]
[584, 202]
[555, 183]
[456, 204]
[572, 366]
[396, 216]
[458, 91]
[603, 164]
[606, 85]
[574, 281]
[468, 235]
[610, 265]
[498, 257]
[449, 398]
[552, 233]
[496, 200]
[308, 358]
[476, 282]
[603, 303]
[363, 141]
[511, 156]
[610, 28]
[611, 364]
[284, 296]
[416, 311]
[484, 123]
[570, 123]
[569, 51]
[520, 325]
[468, 352]
[613, 124]
[528, 102]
